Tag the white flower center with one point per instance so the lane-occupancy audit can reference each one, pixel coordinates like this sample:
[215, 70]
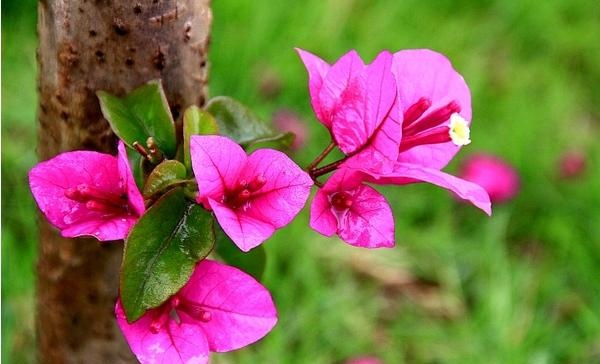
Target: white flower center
[459, 130]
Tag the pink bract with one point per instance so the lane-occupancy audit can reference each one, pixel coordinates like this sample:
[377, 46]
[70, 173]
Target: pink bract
[429, 92]
[251, 196]
[405, 173]
[356, 212]
[220, 309]
[496, 176]
[357, 103]
[88, 193]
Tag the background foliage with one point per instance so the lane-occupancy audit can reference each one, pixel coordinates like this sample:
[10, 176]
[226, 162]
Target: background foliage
[520, 287]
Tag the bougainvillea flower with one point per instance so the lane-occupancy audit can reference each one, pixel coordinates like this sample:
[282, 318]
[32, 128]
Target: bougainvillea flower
[496, 176]
[88, 193]
[357, 213]
[251, 196]
[220, 309]
[357, 103]
[436, 107]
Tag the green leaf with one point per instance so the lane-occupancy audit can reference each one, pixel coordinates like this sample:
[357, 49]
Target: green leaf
[236, 120]
[252, 262]
[196, 122]
[164, 175]
[281, 142]
[142, 113]
[162, 250]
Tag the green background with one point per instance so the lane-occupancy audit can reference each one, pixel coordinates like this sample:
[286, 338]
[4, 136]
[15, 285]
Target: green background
[520, 287]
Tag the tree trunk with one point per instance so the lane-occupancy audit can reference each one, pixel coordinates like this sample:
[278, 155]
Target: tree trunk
[85, 46]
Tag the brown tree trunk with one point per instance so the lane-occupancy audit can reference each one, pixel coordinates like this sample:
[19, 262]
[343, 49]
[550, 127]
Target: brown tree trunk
[113, 45]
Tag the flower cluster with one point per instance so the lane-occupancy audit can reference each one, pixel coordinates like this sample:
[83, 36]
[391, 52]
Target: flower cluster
[86, 193]
[398, 120]
[218, 310]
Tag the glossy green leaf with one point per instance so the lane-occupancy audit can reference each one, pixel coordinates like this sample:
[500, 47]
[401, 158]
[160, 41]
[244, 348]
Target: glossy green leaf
[142, 113]
[196, 122]
[162, 250]
[236, 120]
[252, 262]
[281, 142]
[165, 174]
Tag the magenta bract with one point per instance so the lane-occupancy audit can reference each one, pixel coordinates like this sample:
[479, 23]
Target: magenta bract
[360, 215]
[496, 176]
[88, 193]
[251, 196]
[220, 309]
[357, 103]
[405, 173]
[430, 91]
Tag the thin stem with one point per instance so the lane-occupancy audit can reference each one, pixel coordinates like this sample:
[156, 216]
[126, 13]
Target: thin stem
[314, 173]
[321, 156]
[140, 149]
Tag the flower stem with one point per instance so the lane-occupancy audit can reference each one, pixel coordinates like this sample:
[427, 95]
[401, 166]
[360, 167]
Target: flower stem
[316, 172]
[321, 156]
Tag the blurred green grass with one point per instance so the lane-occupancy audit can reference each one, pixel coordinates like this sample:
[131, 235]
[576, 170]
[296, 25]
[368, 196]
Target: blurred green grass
[520, 287]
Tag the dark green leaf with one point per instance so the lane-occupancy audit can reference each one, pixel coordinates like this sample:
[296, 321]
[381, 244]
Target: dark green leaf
[162, 250]
[281, 142]
[165, 174]
[141, 114]
[236, 120]
[196, 122]
[252, 262]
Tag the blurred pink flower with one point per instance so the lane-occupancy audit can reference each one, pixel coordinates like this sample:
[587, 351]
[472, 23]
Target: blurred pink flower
[220, 309]
[572, 164]
[251, 195]
[496, 176]
[364, 360]
[88, 193]
[287, 120]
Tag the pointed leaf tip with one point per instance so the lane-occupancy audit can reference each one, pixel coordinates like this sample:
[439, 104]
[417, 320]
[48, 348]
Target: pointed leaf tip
[140, 114]
[236, 121]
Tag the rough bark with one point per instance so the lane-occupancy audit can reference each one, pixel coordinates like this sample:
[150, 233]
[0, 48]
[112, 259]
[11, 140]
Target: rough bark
[114, 45]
